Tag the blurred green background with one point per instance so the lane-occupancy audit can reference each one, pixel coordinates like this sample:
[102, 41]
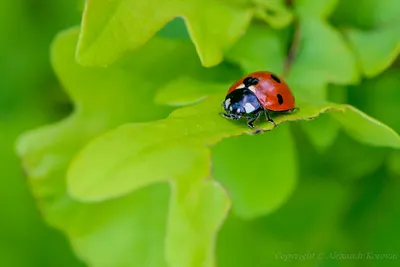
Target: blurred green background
[30, 96]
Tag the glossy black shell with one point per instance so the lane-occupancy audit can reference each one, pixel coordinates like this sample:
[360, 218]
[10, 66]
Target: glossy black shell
[241, 102]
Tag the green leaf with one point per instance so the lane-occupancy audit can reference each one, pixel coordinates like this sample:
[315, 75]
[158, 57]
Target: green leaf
[190, 89]
[112, 27]
[385, 239]
[317, 206]
[376, 49]
[196, 215]
[273, 12]
[356, 124]
[376, 198]
[366, 129]
[47, 152]
[379, 97]
[321, 54]
[317, 61]
[175, 28]
[185, 133]
[338, 93]
[260, 49]
[193, 91]
[322, 131]
[345, 160]
[322, 60]
[135, 223]
[183, 136]
[366, 14]
[372, 29]
[394, 162]
[315, 8]
[131, 144]
[266, 174]
[29, 97]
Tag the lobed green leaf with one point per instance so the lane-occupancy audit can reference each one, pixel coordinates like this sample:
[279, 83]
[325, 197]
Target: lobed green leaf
[116, 183]
[261, 48]
[326, 59]
[111, 28]
[273, 12]
[372, 30]
[259, 172]
[47, 152]
[184, 136]
[376, 49]
[366, 129]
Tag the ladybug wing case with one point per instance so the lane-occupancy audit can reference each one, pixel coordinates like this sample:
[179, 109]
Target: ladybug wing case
[273, 93]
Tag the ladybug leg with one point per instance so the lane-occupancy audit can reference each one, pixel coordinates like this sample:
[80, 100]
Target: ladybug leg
[230, 116]
[250, 120]
[269, 117]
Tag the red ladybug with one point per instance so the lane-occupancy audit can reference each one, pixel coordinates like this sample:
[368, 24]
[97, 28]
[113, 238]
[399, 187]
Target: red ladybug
[258, 92]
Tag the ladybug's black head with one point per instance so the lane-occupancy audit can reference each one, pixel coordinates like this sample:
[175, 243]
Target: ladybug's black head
[240, 102]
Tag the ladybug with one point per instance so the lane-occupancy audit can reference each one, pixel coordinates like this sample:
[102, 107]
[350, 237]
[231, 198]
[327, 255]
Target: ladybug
[258, 92]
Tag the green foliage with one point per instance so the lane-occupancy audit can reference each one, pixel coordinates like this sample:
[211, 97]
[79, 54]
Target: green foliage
[327, 59]
[372, 29]
[145, 171]
[29, 97]
[246, 51]
[274, 237]
[112, 27]
[261, 192]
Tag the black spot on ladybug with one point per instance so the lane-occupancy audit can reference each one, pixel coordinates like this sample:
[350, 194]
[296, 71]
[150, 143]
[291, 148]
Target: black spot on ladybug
[276, 79]
[280, 99]
[249, 81]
